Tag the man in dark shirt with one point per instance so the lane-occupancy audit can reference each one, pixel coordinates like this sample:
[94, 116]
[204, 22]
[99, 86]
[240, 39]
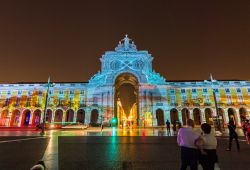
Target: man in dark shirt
[232, 135]
[168, 127]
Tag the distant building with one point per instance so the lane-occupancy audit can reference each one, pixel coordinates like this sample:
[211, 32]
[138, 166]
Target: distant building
[126, 90]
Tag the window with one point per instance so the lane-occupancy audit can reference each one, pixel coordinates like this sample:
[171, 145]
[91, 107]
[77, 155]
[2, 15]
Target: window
[172, 100]
[184, 97]
[207, 99]
[193, 90]
[82, 91]
[238, 90]
[95, 100]
[216, 90]
[204, 90]
[60, 92]
[227, 90]
[229, 99]
[183, 91]
[172, 91]
[240, 99]
[71, 92]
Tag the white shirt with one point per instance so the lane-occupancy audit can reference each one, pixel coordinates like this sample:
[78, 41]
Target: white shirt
[210, 142]
[186, 137]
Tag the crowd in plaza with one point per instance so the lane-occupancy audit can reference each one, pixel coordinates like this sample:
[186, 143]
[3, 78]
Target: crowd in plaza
[200, 147]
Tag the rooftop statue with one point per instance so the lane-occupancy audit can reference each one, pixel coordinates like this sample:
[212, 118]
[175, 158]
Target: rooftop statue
[126, 44]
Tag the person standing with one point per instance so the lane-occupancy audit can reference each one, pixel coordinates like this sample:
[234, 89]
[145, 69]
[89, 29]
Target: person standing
[174, 127]
[209, 157]
[179, 125]
[186, 139]
[232, 135]
[168, 127]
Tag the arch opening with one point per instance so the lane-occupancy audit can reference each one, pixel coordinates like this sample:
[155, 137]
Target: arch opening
[160, 117]
[126, 107]
[80, 118]
[243, 113]
[15, 118]
[197, 116]
[174, 115]
[69, 115]
[58, 116]
[36, 117]
[185, 115]
[94, 117]
[209, 116]
[26, 117]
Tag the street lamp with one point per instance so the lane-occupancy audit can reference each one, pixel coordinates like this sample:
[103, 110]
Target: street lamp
[45, 108]
[216, 105]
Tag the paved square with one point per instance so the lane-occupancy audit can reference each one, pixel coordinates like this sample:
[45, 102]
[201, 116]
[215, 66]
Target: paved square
[137, 153]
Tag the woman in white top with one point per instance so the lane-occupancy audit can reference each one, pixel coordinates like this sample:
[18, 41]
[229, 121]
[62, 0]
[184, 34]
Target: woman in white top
[209, 158]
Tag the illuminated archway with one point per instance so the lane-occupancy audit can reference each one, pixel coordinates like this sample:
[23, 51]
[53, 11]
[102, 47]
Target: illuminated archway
[69, 115]
[174, 115]
[58, 116]
[197, 116]
[15, 118]
[126, 107]
[185, 115]
[221, 115]
[49, 115]
[36, 117]
[26, 117]
[4, 120]
[208, 116]
[94, 116]
[160, 117]
[243, 113]
[80, 116]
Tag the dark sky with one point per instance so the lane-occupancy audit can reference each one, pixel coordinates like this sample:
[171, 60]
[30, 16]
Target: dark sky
[65, 39]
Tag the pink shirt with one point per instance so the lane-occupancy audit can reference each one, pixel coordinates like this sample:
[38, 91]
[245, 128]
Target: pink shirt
[186, 137]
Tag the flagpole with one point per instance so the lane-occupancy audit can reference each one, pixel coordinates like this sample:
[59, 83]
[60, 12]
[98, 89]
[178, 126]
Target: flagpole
[216, 104]
[45, 107]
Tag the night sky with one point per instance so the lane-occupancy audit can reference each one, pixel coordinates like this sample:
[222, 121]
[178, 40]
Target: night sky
[65, 39]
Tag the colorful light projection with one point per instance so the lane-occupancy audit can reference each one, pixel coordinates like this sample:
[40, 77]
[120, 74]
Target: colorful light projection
[23, 104]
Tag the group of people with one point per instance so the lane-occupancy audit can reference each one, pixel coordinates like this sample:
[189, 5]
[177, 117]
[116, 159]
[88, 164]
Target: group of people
[196, 147]
[246, 129]
[176, 125]
[201, 147]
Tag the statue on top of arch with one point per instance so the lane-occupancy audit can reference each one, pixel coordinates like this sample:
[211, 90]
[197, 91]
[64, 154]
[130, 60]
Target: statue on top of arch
[125, 45]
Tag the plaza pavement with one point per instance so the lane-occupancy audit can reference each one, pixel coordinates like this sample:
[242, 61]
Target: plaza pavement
[110, 149]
